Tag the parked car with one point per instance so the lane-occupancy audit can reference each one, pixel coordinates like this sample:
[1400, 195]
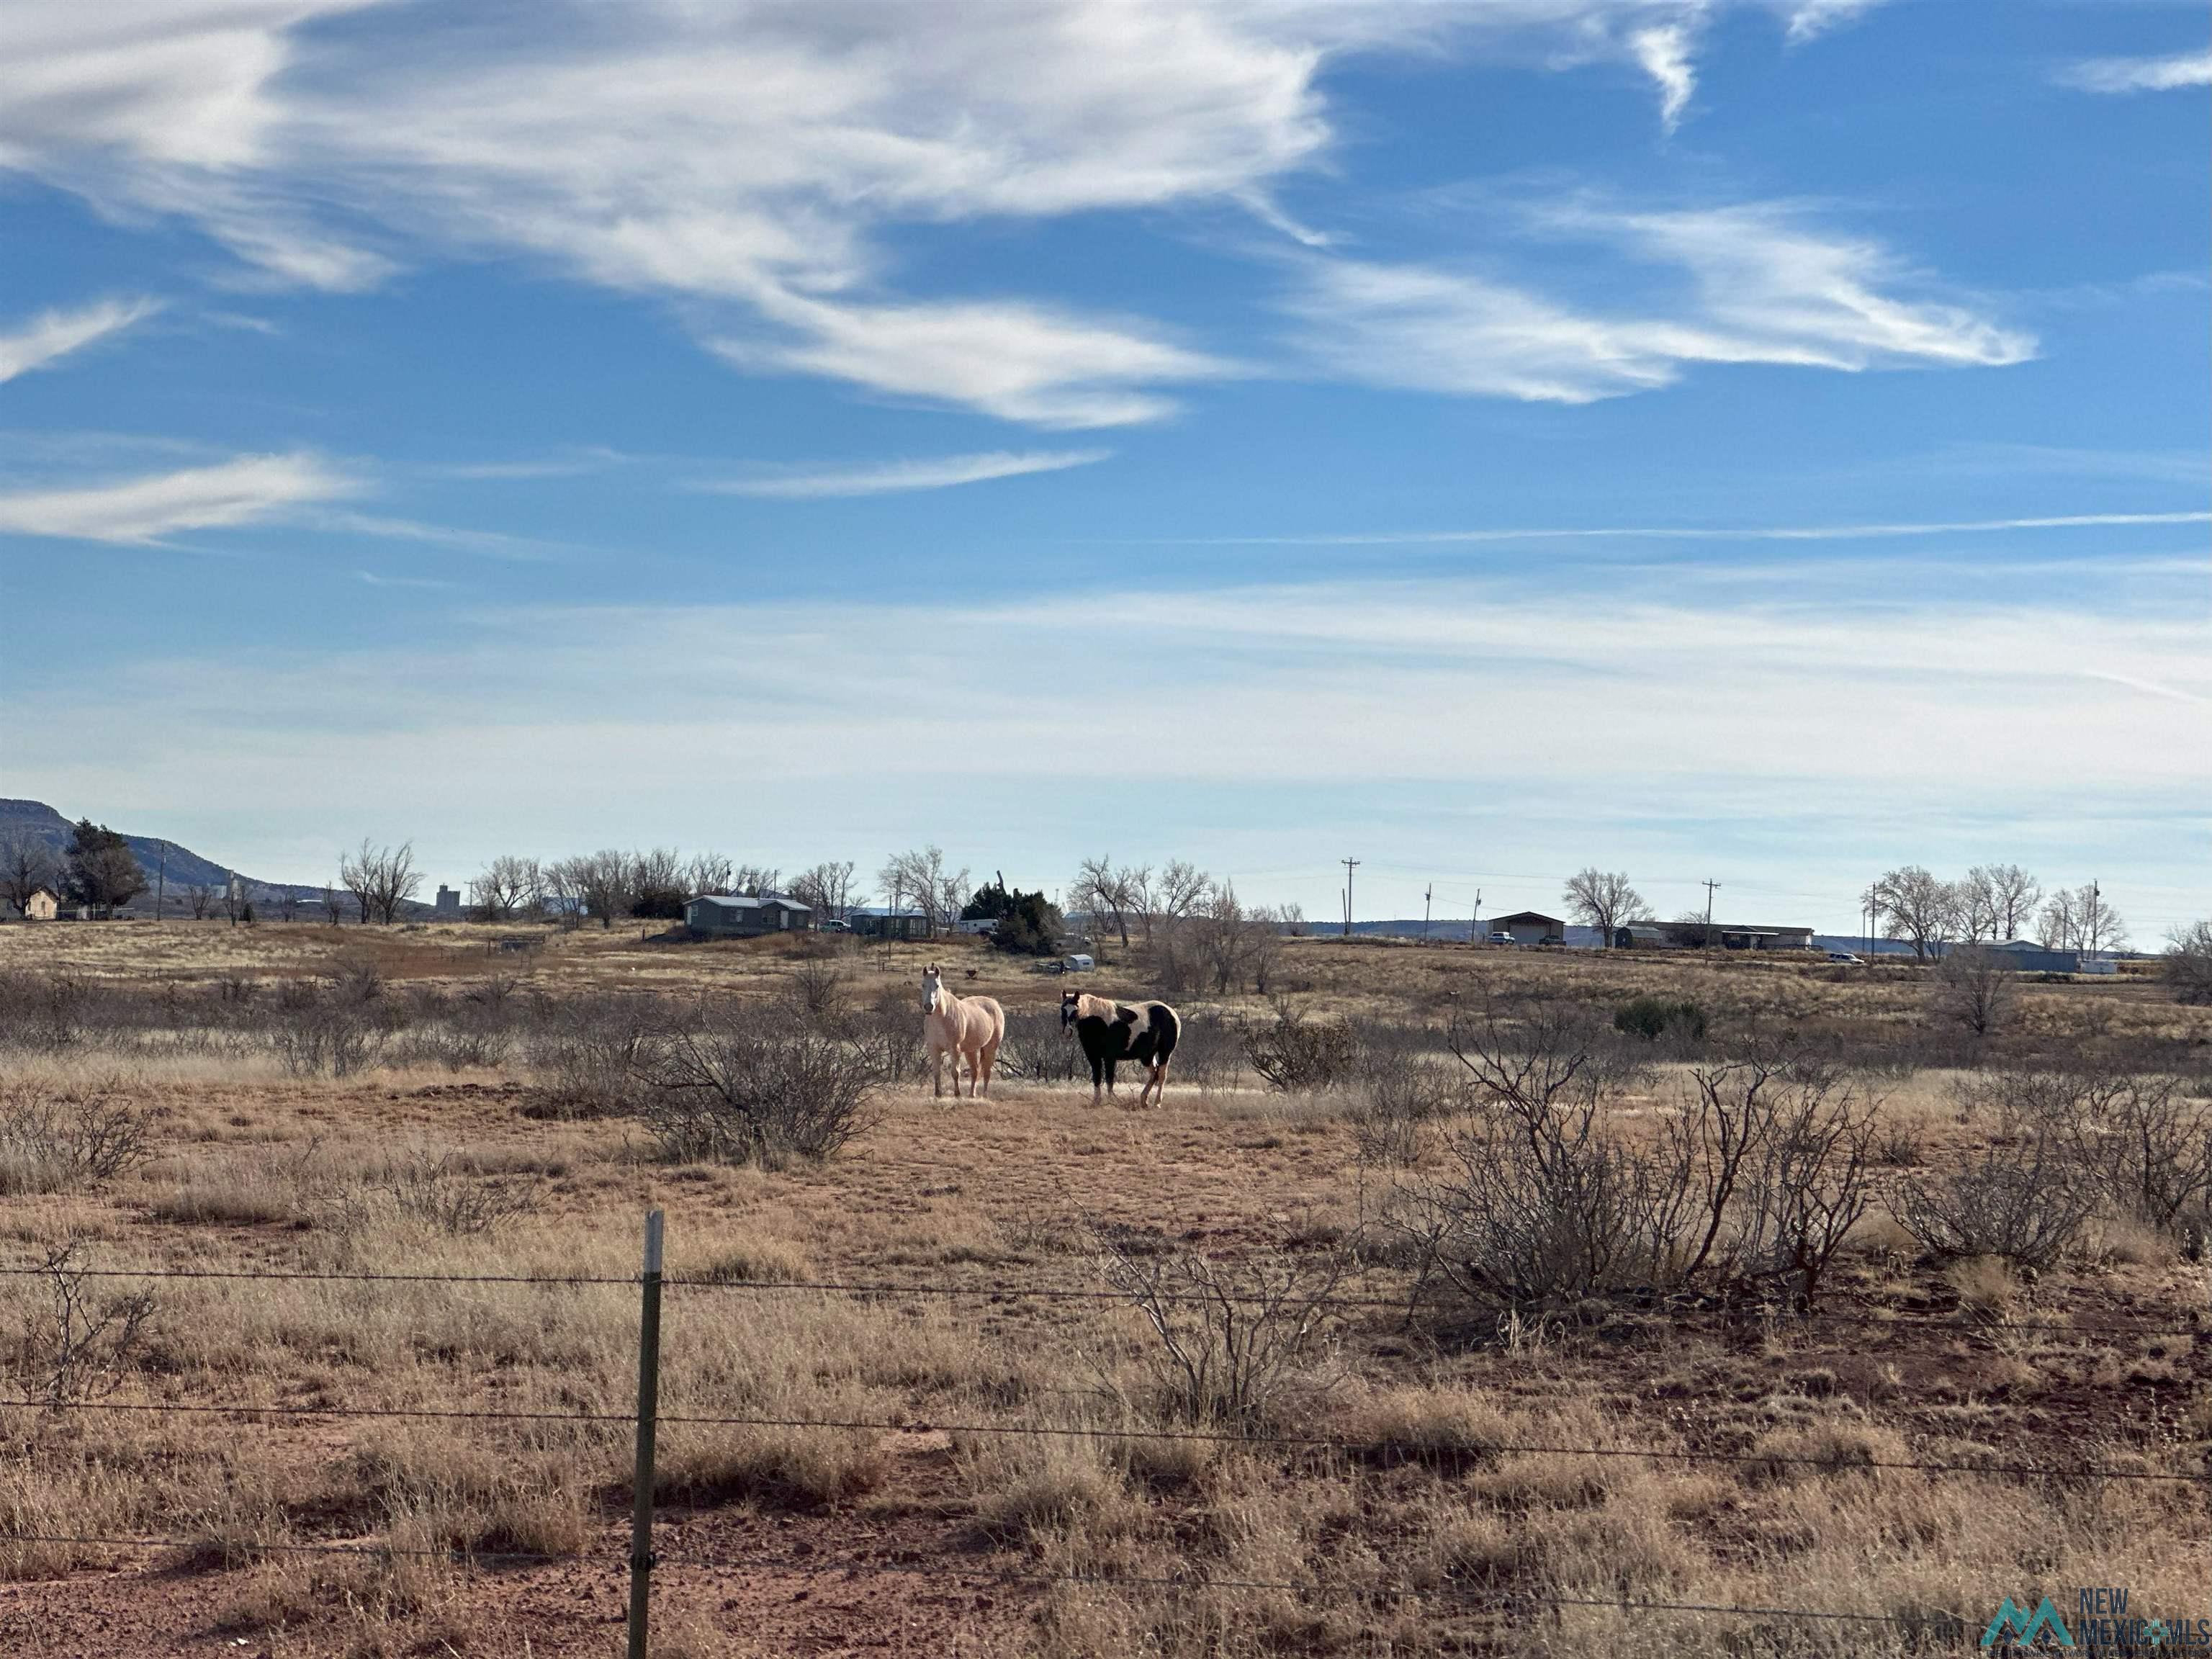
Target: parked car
[1501, 939]
[833, 926]
[1845, 956]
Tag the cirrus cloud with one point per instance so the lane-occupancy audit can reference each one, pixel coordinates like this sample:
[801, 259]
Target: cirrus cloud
[53, 334]
[891, 477]
[249, 489]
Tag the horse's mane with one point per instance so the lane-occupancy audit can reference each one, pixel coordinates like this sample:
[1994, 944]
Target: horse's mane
[1088, 1006]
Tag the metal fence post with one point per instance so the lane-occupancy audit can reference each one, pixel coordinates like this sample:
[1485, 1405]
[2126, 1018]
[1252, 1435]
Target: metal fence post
[648, 1406]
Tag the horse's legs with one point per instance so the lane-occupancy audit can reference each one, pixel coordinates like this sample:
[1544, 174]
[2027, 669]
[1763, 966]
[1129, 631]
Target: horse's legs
[1155, 1086]
[1097, 1075]
[937, 1074]
[1111, 1065]
[990, 1059]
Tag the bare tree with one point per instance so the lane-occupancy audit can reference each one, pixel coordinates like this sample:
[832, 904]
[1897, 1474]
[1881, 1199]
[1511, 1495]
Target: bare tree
[507, 886]
[26, 868]
[1179, 888]
[1103, 892]
[827, 889]
[2097, 924]
[1915, 906]
[1976, 985]
[710, 874]
[2081, 920]
[598, 884]
[2189, 963]
[754, 879]
[660, 882]
[238, 901]
[1604, 900]
[287, 903]
[922, 879]
[2007, 894]
[2055, 928]
[201, 896]
[1974, 908]
[380, 879]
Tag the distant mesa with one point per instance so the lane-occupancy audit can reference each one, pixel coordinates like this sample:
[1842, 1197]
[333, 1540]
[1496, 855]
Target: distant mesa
[167, 864]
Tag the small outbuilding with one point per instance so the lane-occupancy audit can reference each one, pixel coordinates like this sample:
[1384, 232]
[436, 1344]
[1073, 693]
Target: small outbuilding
[43, 905]
[722, 916]
[887, 921]
[1530, 927]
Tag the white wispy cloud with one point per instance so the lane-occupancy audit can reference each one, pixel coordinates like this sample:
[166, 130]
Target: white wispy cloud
[1811, 18]
[605, 142]
[1766, 288]
[1809, 532]
[2186, 69]
[53, 334]
[1663, 53]
[492, 543]
[250, 488]
[1021, 362]
[1611, 705]
[889, 477]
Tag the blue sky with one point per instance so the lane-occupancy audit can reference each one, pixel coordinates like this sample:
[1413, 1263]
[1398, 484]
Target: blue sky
[1761, 440]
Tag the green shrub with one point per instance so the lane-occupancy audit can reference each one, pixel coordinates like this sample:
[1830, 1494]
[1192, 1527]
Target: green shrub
[1653, 1017]
[1029, 926]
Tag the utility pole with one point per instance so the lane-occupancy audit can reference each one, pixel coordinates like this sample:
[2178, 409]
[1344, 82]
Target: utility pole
[1474, 927]
[1427, 893]
[161, 881]
[1350, 865]
[1709, 887]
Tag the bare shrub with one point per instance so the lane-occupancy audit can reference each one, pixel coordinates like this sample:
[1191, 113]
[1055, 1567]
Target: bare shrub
[1209, 1052]
[1037, 1048]
[888, 1031]
[818, 988]
[1807, 1177]
[470, 1033]
[759, 1089]
[1399, 1088]
[1546, 1210]
[1233, 1339]
[2187, 966]
[1297, 1055]
[1977, 987]
[73, 1341]
[61, 1140]
[440, 1193]
[333, 1029]
[1544, 1204]
[50, 1011]
[2024, 1199]
[2144, 1138]
[587, 1059]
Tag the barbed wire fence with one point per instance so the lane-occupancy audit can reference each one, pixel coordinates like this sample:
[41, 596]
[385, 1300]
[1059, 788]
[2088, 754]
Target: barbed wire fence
[652, 1280]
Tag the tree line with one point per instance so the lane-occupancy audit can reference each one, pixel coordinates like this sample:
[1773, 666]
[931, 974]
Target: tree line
[1990, 904]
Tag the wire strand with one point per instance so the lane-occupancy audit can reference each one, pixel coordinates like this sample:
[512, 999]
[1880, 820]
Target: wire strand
[998, 1575]
[1029, 1293]
[1080, 1431]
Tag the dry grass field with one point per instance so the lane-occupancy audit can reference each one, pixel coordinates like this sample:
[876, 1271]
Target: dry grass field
[1282, 1417]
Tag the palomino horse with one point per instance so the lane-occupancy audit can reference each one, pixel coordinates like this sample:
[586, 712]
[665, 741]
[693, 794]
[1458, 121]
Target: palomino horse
[1111, 1032]
[969, 1026]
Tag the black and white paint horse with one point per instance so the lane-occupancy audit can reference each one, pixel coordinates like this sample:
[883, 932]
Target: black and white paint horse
[1111, 1032]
